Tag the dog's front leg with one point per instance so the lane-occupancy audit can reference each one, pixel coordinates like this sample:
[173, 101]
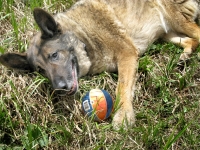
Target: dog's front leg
[127, 71]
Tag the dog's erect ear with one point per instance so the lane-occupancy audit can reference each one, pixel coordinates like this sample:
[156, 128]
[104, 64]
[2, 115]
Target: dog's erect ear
[46, 23]
[16, 61]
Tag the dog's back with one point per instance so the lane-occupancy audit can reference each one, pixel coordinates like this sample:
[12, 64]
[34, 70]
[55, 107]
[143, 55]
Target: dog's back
[147, 20]
[144, 21]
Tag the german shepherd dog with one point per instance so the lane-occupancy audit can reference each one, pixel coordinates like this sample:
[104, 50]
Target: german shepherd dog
[105, 35]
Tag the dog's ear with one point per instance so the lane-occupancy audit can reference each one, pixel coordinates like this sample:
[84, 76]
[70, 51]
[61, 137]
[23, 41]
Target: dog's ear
[46, 23]
[16, 61]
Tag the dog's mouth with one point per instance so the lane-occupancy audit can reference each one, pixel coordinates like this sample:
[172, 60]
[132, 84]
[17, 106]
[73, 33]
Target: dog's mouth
[71, 85]
[74, 87]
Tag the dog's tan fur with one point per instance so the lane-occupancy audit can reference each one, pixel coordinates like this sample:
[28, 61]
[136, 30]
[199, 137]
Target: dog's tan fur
[114, 33]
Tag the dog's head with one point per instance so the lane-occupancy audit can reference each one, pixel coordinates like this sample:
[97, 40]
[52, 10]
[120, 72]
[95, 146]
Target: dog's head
[51, 53]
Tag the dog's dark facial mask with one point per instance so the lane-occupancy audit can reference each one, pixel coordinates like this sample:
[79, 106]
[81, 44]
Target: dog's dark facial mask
[51, 53]
[55, 58]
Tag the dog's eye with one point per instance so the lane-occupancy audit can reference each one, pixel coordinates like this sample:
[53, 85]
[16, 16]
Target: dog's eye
[54, 56]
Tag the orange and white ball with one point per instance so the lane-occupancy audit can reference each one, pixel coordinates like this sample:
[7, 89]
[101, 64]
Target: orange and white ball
[97, 103]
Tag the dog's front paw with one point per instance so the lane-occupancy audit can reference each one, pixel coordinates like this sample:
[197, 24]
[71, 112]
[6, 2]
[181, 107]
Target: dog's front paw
[124, 118]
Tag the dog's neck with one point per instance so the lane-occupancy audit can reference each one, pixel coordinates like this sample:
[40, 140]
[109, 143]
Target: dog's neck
[83, 60]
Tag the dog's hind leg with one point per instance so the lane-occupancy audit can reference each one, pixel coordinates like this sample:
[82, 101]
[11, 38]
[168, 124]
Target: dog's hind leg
[127, 72]
[189, 44]
[190, 29]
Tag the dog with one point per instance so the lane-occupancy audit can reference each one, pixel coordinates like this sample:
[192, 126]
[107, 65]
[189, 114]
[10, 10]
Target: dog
[105, 35]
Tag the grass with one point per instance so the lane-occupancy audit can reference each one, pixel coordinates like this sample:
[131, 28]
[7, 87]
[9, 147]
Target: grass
[32, 117]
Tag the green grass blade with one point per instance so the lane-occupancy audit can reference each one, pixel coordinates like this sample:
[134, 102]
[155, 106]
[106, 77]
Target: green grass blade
[172, 139]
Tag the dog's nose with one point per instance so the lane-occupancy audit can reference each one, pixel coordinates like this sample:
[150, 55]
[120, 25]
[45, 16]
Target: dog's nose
[61, 85]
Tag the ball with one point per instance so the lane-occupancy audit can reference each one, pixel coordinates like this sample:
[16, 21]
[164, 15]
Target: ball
[97, 104]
